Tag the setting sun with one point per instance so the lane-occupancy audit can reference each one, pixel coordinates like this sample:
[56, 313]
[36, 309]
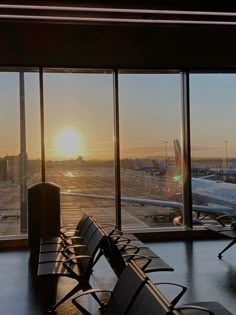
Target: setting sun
[68, 143]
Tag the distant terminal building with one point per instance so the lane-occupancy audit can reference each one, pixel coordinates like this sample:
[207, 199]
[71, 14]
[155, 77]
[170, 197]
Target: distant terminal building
[10, 168]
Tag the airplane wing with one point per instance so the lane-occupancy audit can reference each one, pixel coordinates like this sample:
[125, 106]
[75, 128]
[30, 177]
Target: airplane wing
[160, 203]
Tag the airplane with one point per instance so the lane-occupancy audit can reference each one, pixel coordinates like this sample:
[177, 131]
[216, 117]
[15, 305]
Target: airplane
[141, 165]
[155, 167]
[214, 196]
[161, 203]
[231, 172]
[210, 196]
[194, 169]
[163, 167]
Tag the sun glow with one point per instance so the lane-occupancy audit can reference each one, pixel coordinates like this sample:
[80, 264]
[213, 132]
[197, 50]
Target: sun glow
[68, 143]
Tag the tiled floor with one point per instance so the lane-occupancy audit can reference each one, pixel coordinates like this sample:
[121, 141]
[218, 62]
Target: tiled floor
[196, 266]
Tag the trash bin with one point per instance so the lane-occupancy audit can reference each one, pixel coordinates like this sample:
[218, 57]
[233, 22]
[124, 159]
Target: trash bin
[43, 214]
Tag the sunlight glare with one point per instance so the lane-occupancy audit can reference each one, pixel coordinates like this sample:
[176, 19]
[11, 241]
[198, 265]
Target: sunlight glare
[69, 174]
[68, 143]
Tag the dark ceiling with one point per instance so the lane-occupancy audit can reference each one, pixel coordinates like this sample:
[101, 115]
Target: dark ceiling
[199, 5]
[31, 43]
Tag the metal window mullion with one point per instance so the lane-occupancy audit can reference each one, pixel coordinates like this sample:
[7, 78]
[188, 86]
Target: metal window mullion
[186, 152]
[23, 157]
[117, 147]
[42, 125]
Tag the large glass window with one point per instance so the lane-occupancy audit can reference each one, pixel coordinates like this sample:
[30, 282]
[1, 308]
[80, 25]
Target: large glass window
[79, 142]
[79, 146]
[213, 149]
[149, 123]
[19, 148]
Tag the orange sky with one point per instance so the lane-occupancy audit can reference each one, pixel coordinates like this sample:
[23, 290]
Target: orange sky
[150, 114]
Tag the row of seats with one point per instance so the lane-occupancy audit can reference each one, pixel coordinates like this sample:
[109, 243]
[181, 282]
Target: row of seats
[72, 256]
[74, 253]
[135, 294]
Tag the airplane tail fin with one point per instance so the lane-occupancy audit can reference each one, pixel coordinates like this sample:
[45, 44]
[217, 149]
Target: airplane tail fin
[177, 155]
[160, 167]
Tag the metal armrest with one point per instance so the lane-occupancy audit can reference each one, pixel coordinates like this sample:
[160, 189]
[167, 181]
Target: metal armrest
[74, 260]
[104, 225]
[68, 249]
[128, 246]
[67, 234]
[118, 237]
[218, 219]
[178, 296]
[117, 233]
[66, 240]
[72, 237]
[67, 229]
[122, 241]
[138, 256]
[92, 292]
[194, 307]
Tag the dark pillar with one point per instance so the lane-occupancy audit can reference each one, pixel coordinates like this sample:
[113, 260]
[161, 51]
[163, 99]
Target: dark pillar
[43, 214]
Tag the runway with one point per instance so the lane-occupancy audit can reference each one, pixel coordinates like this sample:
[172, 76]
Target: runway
[93, 180]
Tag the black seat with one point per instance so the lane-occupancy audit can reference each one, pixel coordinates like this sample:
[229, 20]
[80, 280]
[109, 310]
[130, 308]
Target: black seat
[50, 251]
[67, 235]
[146, 259]
[148, 302]
[78, 267]
[151, 301]
[202, 308]
[125, 291]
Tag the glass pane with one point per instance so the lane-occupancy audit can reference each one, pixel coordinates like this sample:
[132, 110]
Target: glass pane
[213, 147]
[79, 142]
[149, 124]
[19, 148]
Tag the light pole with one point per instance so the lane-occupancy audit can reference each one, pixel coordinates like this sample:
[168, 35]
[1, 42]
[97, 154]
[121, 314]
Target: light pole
[226, 154]
[166, 151]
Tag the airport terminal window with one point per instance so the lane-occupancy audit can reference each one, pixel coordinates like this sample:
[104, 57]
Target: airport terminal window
[149, 124]
[213, 144]
[19, 148]
[79, 146]
[79, 142]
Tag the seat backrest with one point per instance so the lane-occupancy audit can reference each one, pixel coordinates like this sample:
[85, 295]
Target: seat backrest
[94, 244]
[114, 256]
[87, 236]
[127, 287]
[81, 222]
[83, 227]
[85, 233]
[149, 301]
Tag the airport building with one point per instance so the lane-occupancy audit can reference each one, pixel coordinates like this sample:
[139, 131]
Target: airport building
[126, 110]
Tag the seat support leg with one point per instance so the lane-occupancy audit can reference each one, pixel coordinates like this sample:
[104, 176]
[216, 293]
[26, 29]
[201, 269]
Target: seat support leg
[227, 247]
[76, 289]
